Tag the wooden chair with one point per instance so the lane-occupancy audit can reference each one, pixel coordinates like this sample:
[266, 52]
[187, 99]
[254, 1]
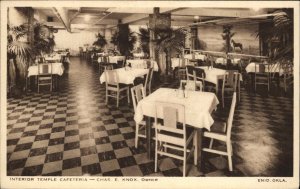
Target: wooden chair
[104, 64]
[114, 88]
[137, 94]
[190, 73]
[191, 85]
[170, 135]
[181, 70]
[230, 84]
[148, 81]
[261, 76]
[94, 58]
[45, 76]
[288, 75]
[200, 75]
[222, 132]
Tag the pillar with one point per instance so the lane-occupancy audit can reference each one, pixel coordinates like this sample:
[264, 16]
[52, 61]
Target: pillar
[162, 21]
[123, 30]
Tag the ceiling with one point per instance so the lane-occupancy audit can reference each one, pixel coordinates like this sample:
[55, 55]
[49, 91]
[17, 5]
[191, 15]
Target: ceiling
[73, 18]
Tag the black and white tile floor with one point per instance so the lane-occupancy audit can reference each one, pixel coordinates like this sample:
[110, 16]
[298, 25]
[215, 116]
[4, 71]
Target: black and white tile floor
[73, 132]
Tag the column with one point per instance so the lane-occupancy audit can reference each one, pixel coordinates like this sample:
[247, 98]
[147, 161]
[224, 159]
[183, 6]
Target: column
[157, 20]
[123, 39]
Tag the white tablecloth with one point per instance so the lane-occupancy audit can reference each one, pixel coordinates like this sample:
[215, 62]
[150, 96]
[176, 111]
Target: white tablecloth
[114, 59]
[175, 62]
[224, 61]
[198, 106]
[55, 58]
[138, 55]
[276, 68]
[142, 63]
[213, 74]
[57, 68]
[126, 76]
[196, 56]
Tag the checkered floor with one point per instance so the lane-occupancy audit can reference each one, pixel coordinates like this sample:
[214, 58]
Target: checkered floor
[73, 132]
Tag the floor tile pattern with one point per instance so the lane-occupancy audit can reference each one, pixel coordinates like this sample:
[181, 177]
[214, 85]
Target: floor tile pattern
[72, 132]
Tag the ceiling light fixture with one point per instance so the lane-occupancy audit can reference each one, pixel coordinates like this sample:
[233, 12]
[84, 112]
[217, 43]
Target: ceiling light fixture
[87, 17]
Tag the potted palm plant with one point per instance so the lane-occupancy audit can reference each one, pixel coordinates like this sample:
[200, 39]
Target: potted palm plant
[100, 42]
[43, 40]
[144, 37]
[170, 41]
[124, 43]
[18, 56]
[280, 39]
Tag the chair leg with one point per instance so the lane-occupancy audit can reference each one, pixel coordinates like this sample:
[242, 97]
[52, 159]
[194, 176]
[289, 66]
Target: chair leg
[195, 141]
[155, 161]
[254, 83]
[223, 103]
[118, 94]
[106, 97]
[184, 162]
[211, 143]
[229, 152]
[128, 96]
[136, 134]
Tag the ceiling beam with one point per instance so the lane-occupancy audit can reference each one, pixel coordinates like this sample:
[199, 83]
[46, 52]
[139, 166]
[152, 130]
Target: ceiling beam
[216, 12]
[62, 14]
[135, 17]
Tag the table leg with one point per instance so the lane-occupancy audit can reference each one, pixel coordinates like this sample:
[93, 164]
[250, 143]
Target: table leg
[148, 136]
[199, 138]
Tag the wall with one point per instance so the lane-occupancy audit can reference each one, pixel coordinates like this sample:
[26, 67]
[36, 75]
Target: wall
[73, 41]
[246, 35]
[64, 39]
[16, 17]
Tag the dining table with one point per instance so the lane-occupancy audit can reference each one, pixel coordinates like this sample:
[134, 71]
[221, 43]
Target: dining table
[198, 109]
[224, 61]
[213, 75]
[195, 57]
[142, 63]
[126, 75]
[57, 69]
[113, 59]
[274, 68]
[53, 58]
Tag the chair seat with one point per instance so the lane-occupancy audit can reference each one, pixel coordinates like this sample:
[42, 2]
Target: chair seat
[218, 127]
[217, 136]
[176, 138]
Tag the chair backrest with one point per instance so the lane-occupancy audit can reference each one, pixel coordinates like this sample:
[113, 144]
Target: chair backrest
[260, 67]
[200, 73]
[137, 94]
[148, 80]
[182, 62]
[190, 73]
[231, 77]
[230, 117]
[170, 113]
[111, 77]
[104, 59]
[191, 85]
[45, 69]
